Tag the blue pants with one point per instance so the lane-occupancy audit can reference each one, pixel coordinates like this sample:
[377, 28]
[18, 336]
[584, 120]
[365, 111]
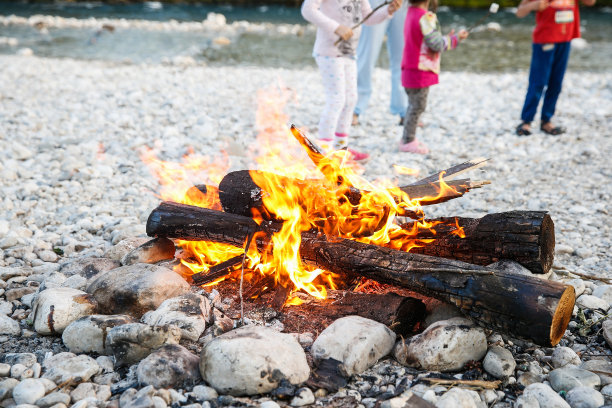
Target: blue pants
[548, 64]
[368, 50]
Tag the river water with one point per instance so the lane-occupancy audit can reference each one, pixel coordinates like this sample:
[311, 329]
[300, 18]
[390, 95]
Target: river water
[272, 36]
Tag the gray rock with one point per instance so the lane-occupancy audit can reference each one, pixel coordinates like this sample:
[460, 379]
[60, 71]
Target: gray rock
[499, 362]
[170, 366]
[606, 327]
[9, 326]
[526, 401]
[584, 397]
[64, 367]
[252, 360]
[545, 396]
[303, 396]
[88, 267]
[438, 311]
[568, 377]
[592, 302]
[604, 292]
[355, 341]
[155, 250]
[90, 390]
[125, 246]
[5, 370]
[444, 346]
[563, 356]
[189, 312]
[27, 359]
[28, 391]
[136, 289]
[54, 309]
[529, 378]
[130, 343]
[204, 393]
[53, 399]
[578, 285]
[602, 368]
[6, 387]
[460, 398]
[88, 334]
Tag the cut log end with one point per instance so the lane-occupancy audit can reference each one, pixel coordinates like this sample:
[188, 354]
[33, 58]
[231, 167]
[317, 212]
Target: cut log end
[562, 315]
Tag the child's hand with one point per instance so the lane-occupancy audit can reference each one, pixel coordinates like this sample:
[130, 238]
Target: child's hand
[394, 6]
[540, 5]
[344, 32]
[462, 35]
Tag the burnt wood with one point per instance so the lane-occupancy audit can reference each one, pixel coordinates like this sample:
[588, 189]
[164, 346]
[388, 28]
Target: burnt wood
[526, 237]
[239, 194]
[521, 305]
[400, 313]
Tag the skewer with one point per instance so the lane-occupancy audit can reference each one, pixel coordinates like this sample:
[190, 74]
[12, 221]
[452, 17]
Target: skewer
[493, 8]
[386, 2]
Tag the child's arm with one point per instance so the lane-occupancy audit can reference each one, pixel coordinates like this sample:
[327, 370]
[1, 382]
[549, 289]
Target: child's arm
[432, 36]
[381, 14]
[527, 6]
[312, 13]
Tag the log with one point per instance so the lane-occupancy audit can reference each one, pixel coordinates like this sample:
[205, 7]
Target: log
[401, 314]
[526, 237]
[239, 194]
[521, 305]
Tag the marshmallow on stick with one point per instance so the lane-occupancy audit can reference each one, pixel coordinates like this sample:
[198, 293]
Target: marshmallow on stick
[493, 8]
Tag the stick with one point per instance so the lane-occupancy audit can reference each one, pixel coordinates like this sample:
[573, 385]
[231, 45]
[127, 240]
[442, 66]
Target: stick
[217, 271]
[386, 2]
[491, 385]
[454, 171]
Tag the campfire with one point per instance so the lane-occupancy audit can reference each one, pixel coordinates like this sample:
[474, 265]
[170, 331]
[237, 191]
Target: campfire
[328, 243]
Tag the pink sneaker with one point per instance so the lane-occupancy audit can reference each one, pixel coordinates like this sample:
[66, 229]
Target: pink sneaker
[358, 156]
[413, 147]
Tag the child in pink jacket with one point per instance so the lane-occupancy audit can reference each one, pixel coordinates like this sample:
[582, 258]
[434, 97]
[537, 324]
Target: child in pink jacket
[424, 43]
[334, 51]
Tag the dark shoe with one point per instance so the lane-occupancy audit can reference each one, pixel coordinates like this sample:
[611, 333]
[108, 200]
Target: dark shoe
[554, 131]
[401, 122]
[522, 131]
[355, 121]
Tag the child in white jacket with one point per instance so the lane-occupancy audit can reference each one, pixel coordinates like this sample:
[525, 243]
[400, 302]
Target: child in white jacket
[334, 52]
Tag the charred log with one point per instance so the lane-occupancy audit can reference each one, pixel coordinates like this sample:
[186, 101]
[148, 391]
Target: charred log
[527, 237]
[521, 305]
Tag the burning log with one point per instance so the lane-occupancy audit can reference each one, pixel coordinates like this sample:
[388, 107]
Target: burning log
[239, 194]
[527, 237]
[521, 305]
[399, 313]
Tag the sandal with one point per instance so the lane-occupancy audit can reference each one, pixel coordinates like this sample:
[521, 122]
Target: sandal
[554, 131]
[522, 131]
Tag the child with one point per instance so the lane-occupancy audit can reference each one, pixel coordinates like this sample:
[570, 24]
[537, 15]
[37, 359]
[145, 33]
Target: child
[334, 51]
[557, 23]
[421, 65]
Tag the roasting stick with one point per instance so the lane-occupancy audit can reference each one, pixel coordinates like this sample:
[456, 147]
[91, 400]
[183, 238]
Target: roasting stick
[386, 2]
[454, 171]
[492, 10]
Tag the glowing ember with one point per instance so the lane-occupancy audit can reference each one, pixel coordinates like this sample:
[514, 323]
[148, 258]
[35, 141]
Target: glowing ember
[339, 204]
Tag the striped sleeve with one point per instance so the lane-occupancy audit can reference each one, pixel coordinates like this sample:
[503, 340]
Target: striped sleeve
[432, 35]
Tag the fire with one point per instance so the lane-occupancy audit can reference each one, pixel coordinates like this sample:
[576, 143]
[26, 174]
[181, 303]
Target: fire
[330, 197]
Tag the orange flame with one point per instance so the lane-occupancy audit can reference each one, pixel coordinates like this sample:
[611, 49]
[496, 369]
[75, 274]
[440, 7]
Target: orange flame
[341, 203]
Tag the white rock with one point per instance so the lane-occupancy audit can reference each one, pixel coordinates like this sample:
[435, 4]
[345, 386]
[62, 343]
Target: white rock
[252, 360]
[563, 356]
[604, 292]
[170, 366]
[592, 302]
[545, 396]
[9, 326]
[303, 396]
[499, 362]
[64, 367]
[203, 393]
[460, 398]
[355, 341]
[189, 312]
[444, 346]
[54, 309]
[569, 377]
[88, 334]
[584, 397]
[28, 391]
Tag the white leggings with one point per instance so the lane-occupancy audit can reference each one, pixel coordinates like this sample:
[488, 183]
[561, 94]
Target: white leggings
[339, 76]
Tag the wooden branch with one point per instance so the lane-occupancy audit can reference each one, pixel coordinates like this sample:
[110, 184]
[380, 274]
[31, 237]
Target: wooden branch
[518, 304]
[217, 271]
[454, 171]
[491, 385]
[527, 237]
